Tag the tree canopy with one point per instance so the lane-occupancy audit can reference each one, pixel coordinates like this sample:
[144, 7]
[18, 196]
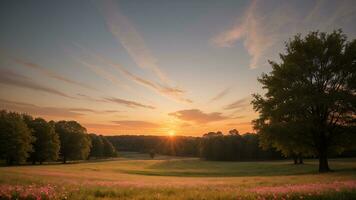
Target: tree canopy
[309, 106]
[15, 138]
[47, 144]
[75, 142]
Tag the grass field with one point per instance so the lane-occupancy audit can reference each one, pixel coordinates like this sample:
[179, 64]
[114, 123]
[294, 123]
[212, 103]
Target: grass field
[135, 176]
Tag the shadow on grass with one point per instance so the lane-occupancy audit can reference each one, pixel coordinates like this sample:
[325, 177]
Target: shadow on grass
[199, 168]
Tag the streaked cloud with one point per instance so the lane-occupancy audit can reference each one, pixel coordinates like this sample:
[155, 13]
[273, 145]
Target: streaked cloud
[49, 111]
[249, 30]
[102, 73]
[221, 94]
[134, 124]
[163, 89]
[261, 30]
[52, 74]
[197, 116]
[239, 104]
[128, 103]
[239, 124]
[167, 91]
[89, 98]
[9, 77]
[121, 27]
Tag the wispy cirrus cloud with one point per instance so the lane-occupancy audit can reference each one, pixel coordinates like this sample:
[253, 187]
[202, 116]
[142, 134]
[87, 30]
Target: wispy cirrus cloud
[52, 74]
[128, 103]
[163, 89]
[124, 127]
[135, 124]
[9, 77]
[48, 110]
[168, 91]
[198, 116]
[251, 31]
[120, 101]
[264, 30]
[121, 27]
[239, 104]
[221, 94]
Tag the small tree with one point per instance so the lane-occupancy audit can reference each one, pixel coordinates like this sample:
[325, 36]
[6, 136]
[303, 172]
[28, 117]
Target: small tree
[108, 149]
[15, 138]
[75, 142]
[152, 153]
[97, 148]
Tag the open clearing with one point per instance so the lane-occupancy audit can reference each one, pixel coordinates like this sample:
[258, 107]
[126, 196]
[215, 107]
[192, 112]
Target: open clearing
[135, 176]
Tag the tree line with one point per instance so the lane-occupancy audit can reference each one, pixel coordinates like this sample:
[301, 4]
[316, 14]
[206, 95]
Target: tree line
[211, 146]
[234, 147]
[27, 139]
[166, 145]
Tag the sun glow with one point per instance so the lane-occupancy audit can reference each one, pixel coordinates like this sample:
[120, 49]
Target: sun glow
[171, 133]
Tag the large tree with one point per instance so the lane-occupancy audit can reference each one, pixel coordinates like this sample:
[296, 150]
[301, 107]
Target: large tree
[310, 100]
[75, 142]
[15, 138]
[47, 144]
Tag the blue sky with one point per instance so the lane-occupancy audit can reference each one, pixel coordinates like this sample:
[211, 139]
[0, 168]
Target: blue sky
[150, 67]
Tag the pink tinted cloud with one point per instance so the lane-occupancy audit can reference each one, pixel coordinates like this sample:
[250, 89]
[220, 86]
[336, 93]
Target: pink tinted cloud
[197, 116]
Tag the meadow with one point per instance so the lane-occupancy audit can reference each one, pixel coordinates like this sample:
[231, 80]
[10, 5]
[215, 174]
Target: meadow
[136, 176]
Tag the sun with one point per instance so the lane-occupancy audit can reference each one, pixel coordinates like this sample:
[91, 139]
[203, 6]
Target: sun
[171, 133]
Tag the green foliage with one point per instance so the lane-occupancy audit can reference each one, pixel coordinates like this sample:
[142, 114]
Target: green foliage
[46, 146]
[152, 153]
[75, 142]
[309, 106]
[97, 146]
[177, 145]
[15, 138]
[101, 147]
[108, 149]
[233, 147]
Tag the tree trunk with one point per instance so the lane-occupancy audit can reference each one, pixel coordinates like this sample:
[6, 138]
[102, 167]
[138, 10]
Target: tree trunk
[295, 160]
[323, 162]
[301, 161]
[9, 161]
[323, 155]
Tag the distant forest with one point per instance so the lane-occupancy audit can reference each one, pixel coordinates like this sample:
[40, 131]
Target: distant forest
[214, 146]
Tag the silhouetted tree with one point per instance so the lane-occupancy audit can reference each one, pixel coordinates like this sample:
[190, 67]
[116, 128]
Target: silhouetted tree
[75, 142]
[234, 147]
[15, 138]
[152, 153]
[47, 144]
[108, 149]
[97, 146]
[311, 96]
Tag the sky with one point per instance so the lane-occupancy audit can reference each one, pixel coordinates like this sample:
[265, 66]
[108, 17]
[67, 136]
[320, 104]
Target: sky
[150, 67]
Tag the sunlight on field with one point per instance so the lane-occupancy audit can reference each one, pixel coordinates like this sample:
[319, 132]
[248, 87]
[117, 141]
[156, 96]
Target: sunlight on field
[167, 177]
